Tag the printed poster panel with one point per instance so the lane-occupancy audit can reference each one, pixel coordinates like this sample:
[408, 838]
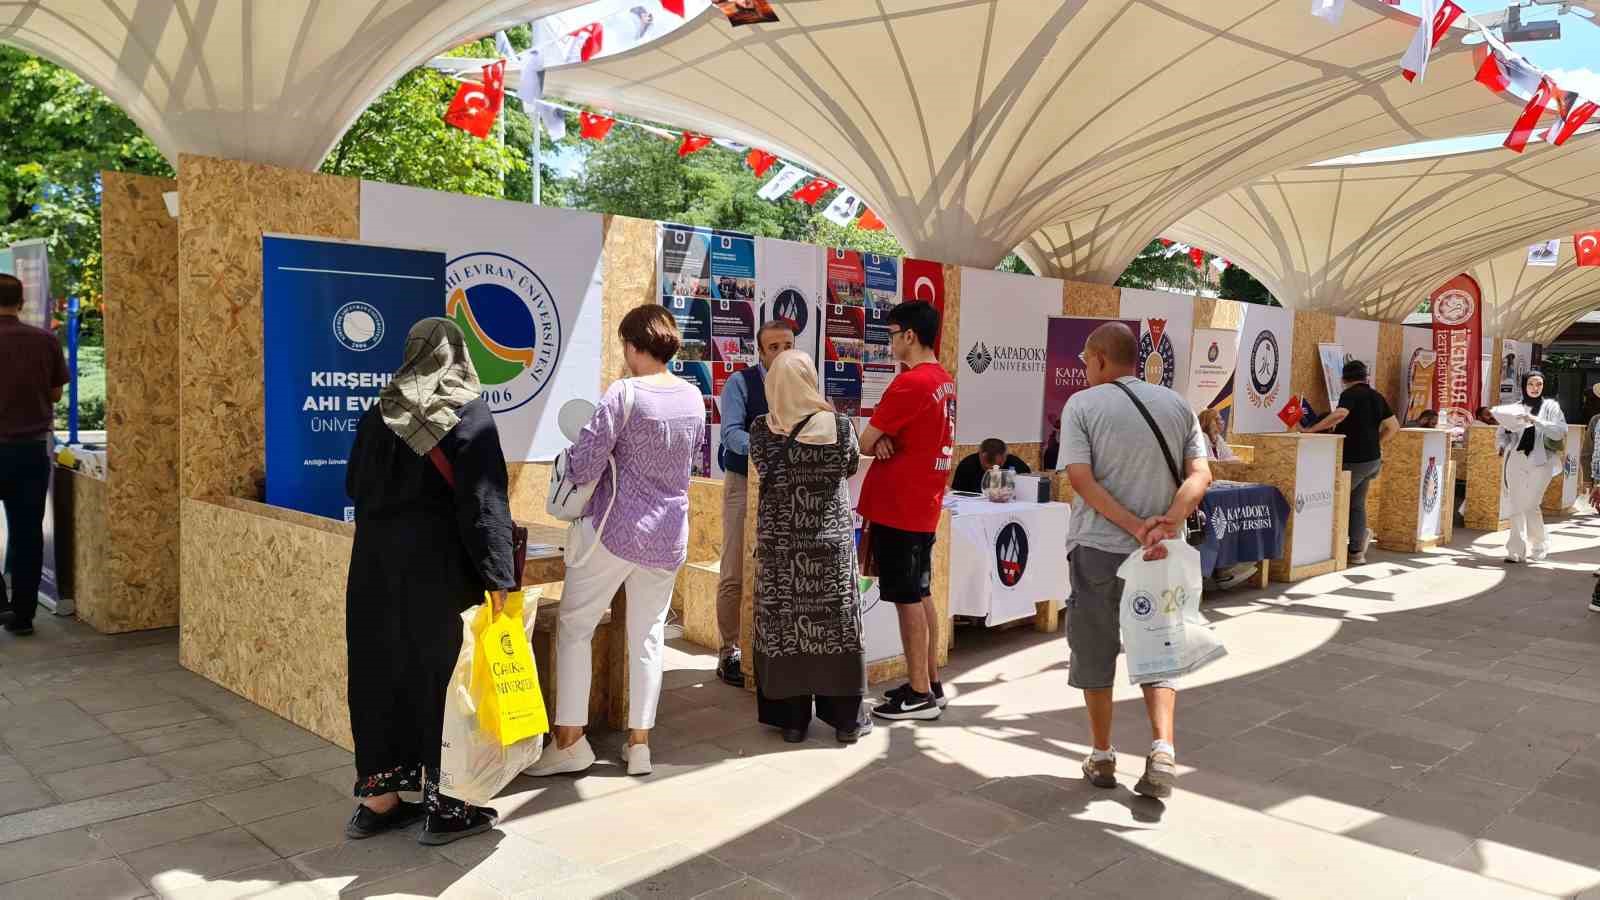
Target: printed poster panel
[1212, 356]
[1457, 341]
[7, 267]
[1332, 357]
[1417, 356]
[1431, 497]
[1516, 361]
[1359, 338]
[30, 263]
[699, 374]
[334, 316]
[789, 285]
[923, 280]
[1000, 375]
[1313, 501]
[841, 385]
[1065, 375]
[1261, 389]
[847, 279]
[524, 284]
[1166, 324]
[878, 367]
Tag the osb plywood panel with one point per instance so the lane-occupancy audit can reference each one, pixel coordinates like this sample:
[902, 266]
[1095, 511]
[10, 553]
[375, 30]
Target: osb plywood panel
[950, 323]
[227, 205]
[705, 519]
[1306, 380]
[1211, 312]
[1390, 378]
[529, 487]
[1447, 516]
[139, 247]
[1080, 298]
[1483, 480]
[1489, 395]
[1277, 464]
[1395, 522]
[630, 281]
[92, 582]
[697, 587]
[263, 610]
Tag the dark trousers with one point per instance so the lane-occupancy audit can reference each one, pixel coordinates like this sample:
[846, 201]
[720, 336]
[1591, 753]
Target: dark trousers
[24, 483]
[1362, 475]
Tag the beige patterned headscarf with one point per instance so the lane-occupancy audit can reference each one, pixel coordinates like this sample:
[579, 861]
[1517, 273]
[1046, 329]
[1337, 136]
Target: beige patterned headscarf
[792, 395]
[436, 379]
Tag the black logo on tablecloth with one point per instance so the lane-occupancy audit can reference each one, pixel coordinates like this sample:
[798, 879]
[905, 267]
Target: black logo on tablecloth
[1011, 553]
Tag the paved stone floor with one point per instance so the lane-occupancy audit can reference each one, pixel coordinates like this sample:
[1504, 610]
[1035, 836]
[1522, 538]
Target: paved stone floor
[1420, 727]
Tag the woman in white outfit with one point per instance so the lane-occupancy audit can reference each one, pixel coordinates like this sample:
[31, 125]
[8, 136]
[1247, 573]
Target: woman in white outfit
[1532, 458]
[652, 424]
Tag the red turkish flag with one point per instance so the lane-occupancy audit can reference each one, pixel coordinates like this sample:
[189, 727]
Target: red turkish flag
[759, 161]
[1291, 413]
[594, 126]
[1198, 257]
[673, 6]
[1165, 242]
[591, 37]
[475, 106]
[692, 143]
[813, 191]
[1517, 140]
[1492, 74]
[1587, 243]
[869, 221]
[1572, 121]
[1416, 59]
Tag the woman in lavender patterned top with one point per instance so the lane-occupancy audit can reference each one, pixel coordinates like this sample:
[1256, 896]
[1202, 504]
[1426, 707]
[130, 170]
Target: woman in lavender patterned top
[644, 542]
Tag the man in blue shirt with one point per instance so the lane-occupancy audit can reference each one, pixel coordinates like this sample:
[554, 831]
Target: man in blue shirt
[744, 399]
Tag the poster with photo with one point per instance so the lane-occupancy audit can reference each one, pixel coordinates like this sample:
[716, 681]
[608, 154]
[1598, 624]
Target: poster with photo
[847, 333]
[720, 373]
[733, 331]
[1416, 373]
[694, 326]
[841, 385]
[847, 279]
[882, 281]
[699, 374]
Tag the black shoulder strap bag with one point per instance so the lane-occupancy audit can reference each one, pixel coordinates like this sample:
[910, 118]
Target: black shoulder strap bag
[1195, 525]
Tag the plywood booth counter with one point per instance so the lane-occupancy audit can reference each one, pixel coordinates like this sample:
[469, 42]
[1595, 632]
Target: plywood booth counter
[1418, 479]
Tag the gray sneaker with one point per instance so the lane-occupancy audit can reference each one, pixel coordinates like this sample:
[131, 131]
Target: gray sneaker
[1102, 773]
[1358, 559]
[1160, 772]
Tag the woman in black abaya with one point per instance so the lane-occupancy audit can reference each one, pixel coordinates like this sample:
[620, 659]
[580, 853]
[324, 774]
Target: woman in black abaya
[424, 552]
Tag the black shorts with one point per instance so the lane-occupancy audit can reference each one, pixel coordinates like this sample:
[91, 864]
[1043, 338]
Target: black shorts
[905, 563]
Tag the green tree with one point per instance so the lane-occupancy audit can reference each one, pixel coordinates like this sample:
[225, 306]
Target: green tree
[59, 134]
[1158, 268]
[1237, 284]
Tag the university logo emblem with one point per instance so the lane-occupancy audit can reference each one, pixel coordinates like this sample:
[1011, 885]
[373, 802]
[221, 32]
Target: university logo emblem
[506, 646]
[358, 326]
[979, 359]
[1454, 307]
[1213, 353]
[1430, 485]
[512, 327]
[1155, 348]
[1011, 553]
[1143, 605]
[1264, 379]
[790, 306]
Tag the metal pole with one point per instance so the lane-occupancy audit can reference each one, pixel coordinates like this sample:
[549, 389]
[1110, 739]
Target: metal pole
[72, 361]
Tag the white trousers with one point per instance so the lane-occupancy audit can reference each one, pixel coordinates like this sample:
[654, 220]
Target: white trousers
[1526, 482]
[585, 597]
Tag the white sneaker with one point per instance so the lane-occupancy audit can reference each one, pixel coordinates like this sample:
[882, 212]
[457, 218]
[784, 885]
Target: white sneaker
[638, 757]
[1513, 559]
[1539, 555]
[576, 758]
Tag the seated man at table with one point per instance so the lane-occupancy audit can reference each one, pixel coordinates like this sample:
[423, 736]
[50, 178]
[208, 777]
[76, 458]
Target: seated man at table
[1121, 466]
[1428, 418]
[992, 452]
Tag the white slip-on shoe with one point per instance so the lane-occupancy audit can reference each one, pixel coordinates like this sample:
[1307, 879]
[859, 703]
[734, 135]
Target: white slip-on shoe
[638, 756]
[1540, 554]
[576, 758]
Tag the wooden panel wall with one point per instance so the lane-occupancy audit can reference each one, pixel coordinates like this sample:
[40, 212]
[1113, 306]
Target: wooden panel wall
[92, 581]
[1390, 378]
[139, 249]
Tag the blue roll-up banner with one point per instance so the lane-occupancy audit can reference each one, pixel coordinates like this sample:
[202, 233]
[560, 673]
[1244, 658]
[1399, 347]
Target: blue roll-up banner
[334, 319]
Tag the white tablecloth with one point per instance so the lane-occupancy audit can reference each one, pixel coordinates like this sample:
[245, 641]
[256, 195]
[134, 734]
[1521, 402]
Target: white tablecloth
[1006, 557]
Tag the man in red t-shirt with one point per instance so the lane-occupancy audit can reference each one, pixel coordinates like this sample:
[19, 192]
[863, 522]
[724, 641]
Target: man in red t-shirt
[912, 434]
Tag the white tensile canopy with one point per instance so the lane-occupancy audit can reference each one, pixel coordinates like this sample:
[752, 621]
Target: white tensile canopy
[272, 81]
[1534, 303]
[967, 125]
[1375, 239]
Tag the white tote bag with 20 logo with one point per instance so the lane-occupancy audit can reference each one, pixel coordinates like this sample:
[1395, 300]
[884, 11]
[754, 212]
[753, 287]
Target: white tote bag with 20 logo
[1163, 634]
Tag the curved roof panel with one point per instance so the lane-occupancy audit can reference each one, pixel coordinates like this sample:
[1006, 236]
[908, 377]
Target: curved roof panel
[969, 124]
[1532, 303]
[276, 82]
[1376, 239]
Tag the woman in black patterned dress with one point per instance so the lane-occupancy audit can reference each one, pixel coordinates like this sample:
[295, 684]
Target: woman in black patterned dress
[808, 644]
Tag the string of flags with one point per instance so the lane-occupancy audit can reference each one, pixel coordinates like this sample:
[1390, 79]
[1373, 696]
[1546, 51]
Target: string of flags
[1500, 69]
[1585, 246]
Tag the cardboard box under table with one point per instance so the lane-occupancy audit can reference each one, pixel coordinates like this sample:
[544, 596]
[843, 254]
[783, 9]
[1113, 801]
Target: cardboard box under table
[1418, 481]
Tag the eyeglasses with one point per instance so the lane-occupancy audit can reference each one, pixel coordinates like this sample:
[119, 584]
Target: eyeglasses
[896, 332]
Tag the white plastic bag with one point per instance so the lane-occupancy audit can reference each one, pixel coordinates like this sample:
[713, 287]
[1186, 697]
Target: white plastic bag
[473, 767]
[1163, 634]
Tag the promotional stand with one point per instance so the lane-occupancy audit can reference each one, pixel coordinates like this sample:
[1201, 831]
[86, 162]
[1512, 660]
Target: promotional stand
[1418, 481]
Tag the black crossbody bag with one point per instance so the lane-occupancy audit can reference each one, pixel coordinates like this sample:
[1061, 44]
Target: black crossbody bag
[1195, 525]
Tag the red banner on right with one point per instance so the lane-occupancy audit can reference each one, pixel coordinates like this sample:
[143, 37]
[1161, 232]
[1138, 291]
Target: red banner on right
[1458, 343]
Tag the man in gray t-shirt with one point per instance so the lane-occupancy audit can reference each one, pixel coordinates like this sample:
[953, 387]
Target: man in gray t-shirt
[1126, 498]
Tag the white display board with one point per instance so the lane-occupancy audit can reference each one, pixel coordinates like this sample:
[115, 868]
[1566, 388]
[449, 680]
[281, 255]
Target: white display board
[524, 284]
[1261, 386]
[1213, 353]
[1431, 498]
[1359, 338]
[1000, 363]
[1166, 326]
[1332, 358]
[789, 286]
[1313, 501]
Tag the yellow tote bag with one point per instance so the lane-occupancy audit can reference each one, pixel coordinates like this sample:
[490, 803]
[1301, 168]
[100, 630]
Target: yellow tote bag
[505, 682]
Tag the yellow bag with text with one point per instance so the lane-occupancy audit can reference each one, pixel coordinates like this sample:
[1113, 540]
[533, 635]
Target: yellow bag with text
[505, 682]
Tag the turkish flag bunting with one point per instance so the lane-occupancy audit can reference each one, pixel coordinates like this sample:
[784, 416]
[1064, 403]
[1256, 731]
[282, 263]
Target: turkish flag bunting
[1587, 243]
[591, 36]
[1165, 242]
[759, 161]
[692, 143]
[673, 6]
[1197, 256]
[1572, 122]
[1517, 140]
[869, 221]
[1429, 31]
[475, 106]
[594, 126]
[1492, 74]
[813, 191]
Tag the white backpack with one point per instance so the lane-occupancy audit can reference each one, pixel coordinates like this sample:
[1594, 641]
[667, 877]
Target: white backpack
[567, 500]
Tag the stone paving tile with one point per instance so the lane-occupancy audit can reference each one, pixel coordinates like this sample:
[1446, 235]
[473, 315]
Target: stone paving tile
[276, 880]
[271, 800]
[765, 846]
[108, 879]
[11, 769]
[309, 762]
[208, 758]
[1145, 876]
[50, 853]
[76, 755]
[153, 829]
[1046, 846]
[1533, 855]
[904, 847]
[107, 778]
[752, 889]
[970, 819]
[278, 736]
[511, 864]
[1517, 763]
[830, 872]
[47, 724]
[302, 831]
[194, 859]
[361, 863]
[1391, 694]
[197, 733]
[22, 795]
[832, 815]
[670, 872]
[146, 717]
